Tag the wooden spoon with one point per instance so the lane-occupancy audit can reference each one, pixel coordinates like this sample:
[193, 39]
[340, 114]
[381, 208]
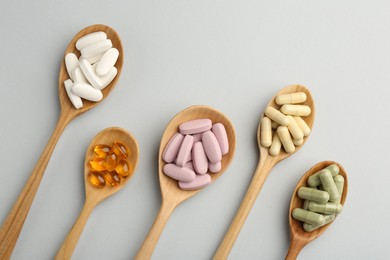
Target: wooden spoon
[298, 236]
[172, 195]
[93, 194]
[13, 224]
[266, 163]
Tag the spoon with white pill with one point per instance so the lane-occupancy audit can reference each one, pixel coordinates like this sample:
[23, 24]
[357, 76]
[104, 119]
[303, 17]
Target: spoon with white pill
[172, 195]
[265, 164]
[94, 195]
[298, 236]
[13, 224]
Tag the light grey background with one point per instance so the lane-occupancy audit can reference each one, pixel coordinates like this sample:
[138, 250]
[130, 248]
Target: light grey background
[232, 55]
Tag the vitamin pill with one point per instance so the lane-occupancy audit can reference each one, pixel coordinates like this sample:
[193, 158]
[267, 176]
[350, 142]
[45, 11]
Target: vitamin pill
[172, 148]
[71, 63]
[112, 178]
[211, 147]
[185, 150]
[123, 168]
[294, 129]
[120, 150]
[276, 116]
[199, 159]
[90, 74]
[97, 164]
[310, 227]
[195, 126]
[182, 174]
[96, 179]
[298, 142]
[107, 61]
[87, 92]
[199, 182]
[79, 76]
[74, 99]
[296, 110]
[102, 150]
[215, 167]
[329, 185]
[302, 124]
[325, 208]
[265, 132]
[313, 194]
[111, 162]
[314, 180]
[96, 48]
[339, 181]
[219, 131]
[308, 216]
[275, 146]
[106, 79]
[285, 138]
[90, 39]
[292, 98]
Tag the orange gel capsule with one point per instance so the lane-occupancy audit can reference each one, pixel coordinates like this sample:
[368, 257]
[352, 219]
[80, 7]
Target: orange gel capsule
[110, 162]
[112, 178]
[102, 150]
[97, 164]
[120, 150]
[123, 168]
[96, 179]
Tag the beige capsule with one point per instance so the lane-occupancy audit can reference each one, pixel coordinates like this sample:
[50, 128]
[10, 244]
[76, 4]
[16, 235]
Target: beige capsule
[302, 124]
[276, 116]
[298, 142]
[285, 138]
[265, 132]
[275, 146]
[294, 129]
[292, 98]
[296, 110]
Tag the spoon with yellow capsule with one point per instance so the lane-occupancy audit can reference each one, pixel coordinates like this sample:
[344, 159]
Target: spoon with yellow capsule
[100, 185]
[13, 224]
[264, 167]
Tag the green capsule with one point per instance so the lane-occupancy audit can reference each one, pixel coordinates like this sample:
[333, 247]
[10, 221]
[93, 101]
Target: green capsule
[307, 193]
[339, 181]
[308, 216]
[325, 208]
[329, 186]
[314, 180]
[310, 227]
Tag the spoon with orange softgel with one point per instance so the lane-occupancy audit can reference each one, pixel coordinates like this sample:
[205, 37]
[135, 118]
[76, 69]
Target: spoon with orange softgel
[13, 224]
[172, 195]
[265, 164]
[298, 236]
[97, 186]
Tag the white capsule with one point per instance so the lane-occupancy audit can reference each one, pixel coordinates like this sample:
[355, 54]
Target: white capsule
[275, 146]
[294, 129]
[292, 98]
[76, 100]
[79, 76]
[107, 62]
[302, 124]
[90, 39]
[87, 92]
[285, 138]
[105, 80]
[276, 116]
[96, 48]
[296, 110]
[265, 132]
[90, 74]
[71, 63]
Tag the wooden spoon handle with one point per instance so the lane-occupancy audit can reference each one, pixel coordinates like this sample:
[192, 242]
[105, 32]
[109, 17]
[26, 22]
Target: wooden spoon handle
[155, 231]
[71, 240]
[296, 246]
[262, 171]
[13, 224]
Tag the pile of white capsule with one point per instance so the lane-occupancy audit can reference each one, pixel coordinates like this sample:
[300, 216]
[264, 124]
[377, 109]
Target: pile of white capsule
[285, 126]
[93, 71]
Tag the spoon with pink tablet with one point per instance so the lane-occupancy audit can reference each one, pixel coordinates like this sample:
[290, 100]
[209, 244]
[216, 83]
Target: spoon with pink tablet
[196, 148]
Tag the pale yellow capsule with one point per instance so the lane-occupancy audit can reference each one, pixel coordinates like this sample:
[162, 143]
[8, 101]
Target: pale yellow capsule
[302, 124]
[276, 116]
[285, 138]
[296, 110]
[294, 129]
[274, 125]
[298, 142]
[292, 98]
[275, 146]
[265, 132]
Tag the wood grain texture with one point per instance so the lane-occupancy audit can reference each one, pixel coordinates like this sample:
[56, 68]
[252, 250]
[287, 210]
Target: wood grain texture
[298, 236]
[172, 195]
[265, 165]
[95, 195]
[13, 224]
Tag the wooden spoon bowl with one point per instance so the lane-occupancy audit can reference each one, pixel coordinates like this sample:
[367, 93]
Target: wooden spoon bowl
[298, 236]
[172, 195]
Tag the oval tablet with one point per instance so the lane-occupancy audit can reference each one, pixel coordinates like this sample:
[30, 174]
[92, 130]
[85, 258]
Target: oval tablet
[220, 133]
[89, 73]
[211, 147]
[71, 63]
[96, 48]
[87, 92]
[172, 148]
[199, 182]
[107, 61]
[199, 159]
[90, 39]
[215, 167]
[79, 76]
[106, 79]
[76, 100]
[181, 174]
[185, 150]
[195, 126]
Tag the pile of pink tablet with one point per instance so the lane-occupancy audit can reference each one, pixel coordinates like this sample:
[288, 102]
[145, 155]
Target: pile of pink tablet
[193, 152]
